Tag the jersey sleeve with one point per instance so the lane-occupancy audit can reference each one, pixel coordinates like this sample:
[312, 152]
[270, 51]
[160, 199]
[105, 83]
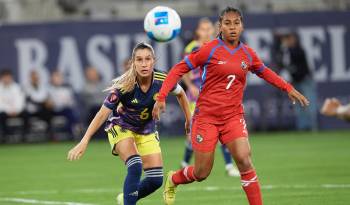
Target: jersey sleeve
[192, 61]
[112, 100]
[256, 64]
[172, 78]
[198, 57]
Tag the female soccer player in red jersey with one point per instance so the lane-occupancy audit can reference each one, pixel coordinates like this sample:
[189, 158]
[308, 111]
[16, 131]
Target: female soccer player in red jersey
[204, 33]
[219, 115]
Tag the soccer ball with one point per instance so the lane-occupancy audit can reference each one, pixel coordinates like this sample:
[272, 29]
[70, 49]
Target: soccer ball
[162, 24]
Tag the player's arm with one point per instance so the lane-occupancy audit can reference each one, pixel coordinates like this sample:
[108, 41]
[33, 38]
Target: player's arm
[78, 151]
[170, 81]
[333, 108]
[184, 104]
[274, 79]
[190, 62]
[101, 116]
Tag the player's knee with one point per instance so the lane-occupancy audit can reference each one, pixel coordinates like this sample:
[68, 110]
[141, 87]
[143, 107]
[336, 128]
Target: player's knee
[201, 178]
[157, 182]
[134, 165]
[154, 177]
[201, 175]
[244, 163]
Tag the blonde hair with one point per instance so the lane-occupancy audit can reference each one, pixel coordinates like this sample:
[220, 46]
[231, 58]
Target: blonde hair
[127, 81]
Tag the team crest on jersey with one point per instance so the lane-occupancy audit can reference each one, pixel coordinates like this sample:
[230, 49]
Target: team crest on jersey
[199, 138]
[155, 96]
[244, 65]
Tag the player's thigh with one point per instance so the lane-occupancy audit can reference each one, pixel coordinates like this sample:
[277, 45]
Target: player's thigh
[203, 163]
[122, 142]
[241, 152]
[152, 160]
[126, 148]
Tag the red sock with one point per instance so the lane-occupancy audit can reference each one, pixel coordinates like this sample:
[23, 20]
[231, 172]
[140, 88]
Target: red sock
[251, 187]
[184, 176]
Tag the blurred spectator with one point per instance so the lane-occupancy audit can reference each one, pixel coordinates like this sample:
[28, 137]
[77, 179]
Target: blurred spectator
[38, 104]
[294, 61]
[92, 94]
[332, 107]
[62, 101]
[126, 64]
[11, 103]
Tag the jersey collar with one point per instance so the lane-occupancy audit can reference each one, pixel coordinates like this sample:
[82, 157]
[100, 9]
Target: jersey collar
[231, 51]
[150, 87]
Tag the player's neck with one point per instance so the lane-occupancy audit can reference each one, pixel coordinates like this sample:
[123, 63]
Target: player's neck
[144, 82]
[231, 44]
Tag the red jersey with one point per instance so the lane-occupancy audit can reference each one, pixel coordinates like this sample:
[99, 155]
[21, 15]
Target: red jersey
[223, 78]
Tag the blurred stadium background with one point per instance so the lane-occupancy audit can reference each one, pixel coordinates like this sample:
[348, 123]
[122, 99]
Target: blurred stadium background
[80, 45]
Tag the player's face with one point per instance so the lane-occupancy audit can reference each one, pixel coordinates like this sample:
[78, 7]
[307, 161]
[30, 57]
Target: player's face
[205, 31]
[7, 79]
[231, 27]
[144, 62]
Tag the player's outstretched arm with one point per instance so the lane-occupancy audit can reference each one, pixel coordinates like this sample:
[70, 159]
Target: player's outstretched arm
[184, 104]
[271, 77]
[77, 152]
[332, 107]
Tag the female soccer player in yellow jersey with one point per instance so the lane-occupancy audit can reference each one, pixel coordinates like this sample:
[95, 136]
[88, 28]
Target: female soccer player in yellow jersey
[130, 127]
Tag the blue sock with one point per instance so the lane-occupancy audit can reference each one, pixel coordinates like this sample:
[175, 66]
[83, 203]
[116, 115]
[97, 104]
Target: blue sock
[152, 181]
[226, 154]
[188, 152]
[132, 179]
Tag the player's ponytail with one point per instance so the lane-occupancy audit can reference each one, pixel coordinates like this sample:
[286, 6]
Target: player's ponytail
[127, 81]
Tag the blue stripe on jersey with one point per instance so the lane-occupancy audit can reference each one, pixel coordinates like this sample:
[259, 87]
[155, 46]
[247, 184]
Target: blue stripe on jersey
[259, 70]
[248, 54]
[188, 62]
[204, 74]
[228, 49]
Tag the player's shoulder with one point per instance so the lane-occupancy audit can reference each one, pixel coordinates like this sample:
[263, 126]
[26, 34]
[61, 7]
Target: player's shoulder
[119, 92]
[159, 76]
[207, 48]
[247, 48]
[211, 44]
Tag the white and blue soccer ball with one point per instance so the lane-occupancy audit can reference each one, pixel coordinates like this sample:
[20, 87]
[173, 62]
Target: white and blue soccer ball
[162, 24]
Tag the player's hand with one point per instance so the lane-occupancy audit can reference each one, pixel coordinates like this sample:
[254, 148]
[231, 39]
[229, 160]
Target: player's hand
[77, 152]
[330, 107]
[159, 107]
[295, 96]
[187, 127]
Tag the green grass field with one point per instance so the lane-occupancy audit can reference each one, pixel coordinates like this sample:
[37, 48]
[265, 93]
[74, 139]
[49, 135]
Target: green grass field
[294, 168]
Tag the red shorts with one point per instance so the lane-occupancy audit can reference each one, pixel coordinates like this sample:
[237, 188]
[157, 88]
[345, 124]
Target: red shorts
[204, 136]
